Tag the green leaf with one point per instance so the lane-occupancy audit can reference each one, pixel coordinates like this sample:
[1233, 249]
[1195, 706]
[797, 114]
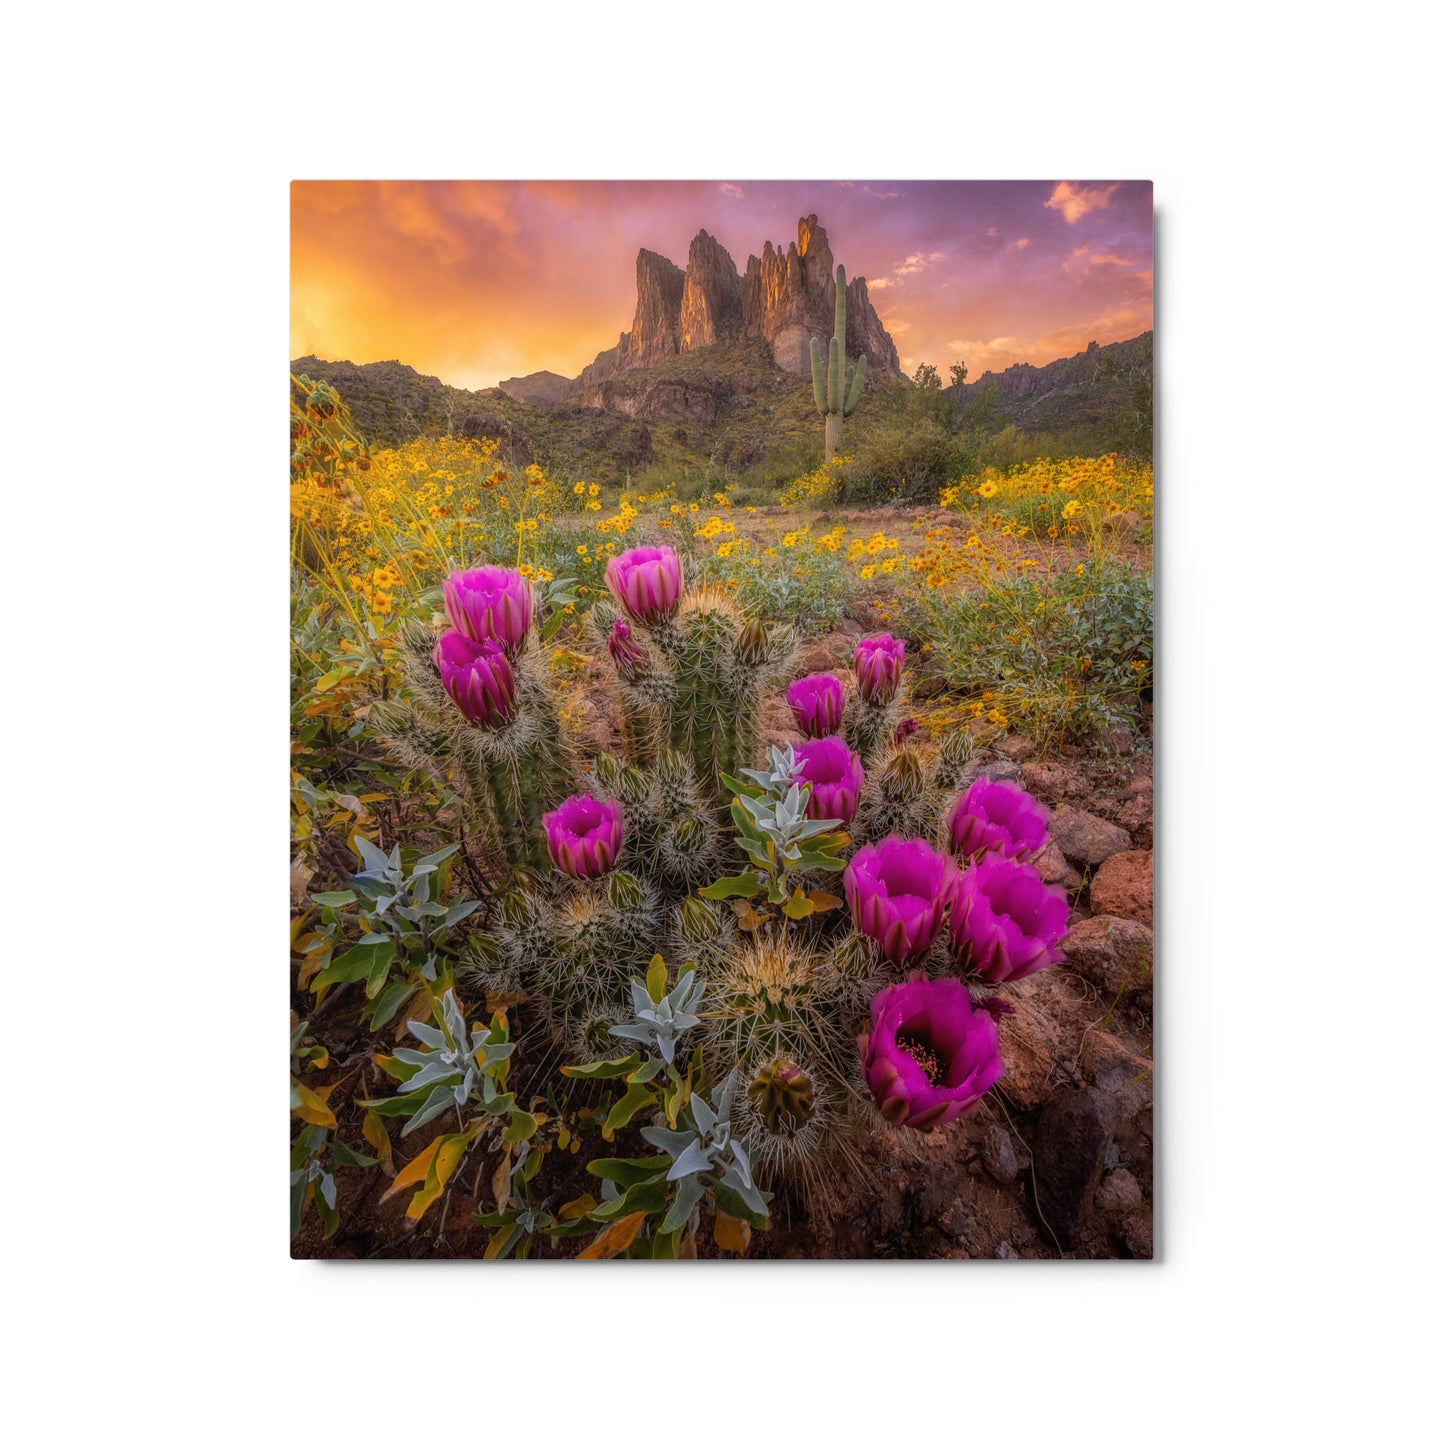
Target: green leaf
[626, 1172]
[637, 1097]
[648, 1195]
[551, 625]
[380, 970]
[656, 979]
[523, 1126]
[357, 962]
[349, 1158]
[829, 864]
[334, 900]
[742, 885]
[604, 1069]
[729, 1201]
[387, 1005]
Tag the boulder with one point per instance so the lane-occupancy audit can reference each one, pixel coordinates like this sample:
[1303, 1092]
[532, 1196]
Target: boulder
[999, 1156]
[1116, 955]
[1136, 1233]
[1054, 867]
[1073, 1134]
[1118, 1194]
[1124, 887]
[1086, 840]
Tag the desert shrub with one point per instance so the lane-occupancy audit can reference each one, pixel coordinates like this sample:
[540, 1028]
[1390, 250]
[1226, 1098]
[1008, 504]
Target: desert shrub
[1051, 654]
[902, 460]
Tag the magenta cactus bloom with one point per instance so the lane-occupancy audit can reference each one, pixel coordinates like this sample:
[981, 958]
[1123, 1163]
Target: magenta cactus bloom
[1006, 921]
[997, 818]
[817, 704]
[878, 665]
[647, 581]
[836, 775]
[626, 654]
[478, 678]
[584, 834]
[898, 890]
[490, 604]
[931, 1054]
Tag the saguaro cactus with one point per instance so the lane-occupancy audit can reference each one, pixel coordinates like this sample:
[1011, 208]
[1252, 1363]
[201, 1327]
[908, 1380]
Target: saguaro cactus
[837, 391]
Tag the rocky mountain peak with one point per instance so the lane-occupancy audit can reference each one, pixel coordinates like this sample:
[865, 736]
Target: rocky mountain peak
[784, 297]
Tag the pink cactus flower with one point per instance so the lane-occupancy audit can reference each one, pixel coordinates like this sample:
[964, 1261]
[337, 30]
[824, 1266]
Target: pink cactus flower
[817, 704]
[647, 581]
[836, 775]
[931, 1054]
[898, 890]
[627, 656]
[1006, 921]
[878, 665]
[490, 604]
[584, 834]
[477, 677]
[997, 818]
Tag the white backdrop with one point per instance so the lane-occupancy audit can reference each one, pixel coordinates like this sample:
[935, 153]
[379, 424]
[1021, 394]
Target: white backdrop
[1297, 1193]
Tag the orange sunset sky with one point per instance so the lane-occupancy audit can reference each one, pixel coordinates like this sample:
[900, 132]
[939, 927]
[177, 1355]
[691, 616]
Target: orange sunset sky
[475, 281]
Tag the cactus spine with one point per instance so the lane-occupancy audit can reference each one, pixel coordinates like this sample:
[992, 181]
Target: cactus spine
[838, 390]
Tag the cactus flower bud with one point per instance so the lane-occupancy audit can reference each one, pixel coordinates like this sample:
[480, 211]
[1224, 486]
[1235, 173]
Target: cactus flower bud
[752, 647]
[490, 604]
[931, 1054]
[783, 1094]
[902, 778]
[629, 658]
[478, 678]
[698, 919]
[836, 775]
[878, 666]
[625, 891]
[817, 704]
[647, 581]
[584, 834]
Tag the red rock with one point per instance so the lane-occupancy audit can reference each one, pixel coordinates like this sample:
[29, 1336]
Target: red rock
[1116, 955]
[1084, 839]
[1124, 887]
[1054, 867]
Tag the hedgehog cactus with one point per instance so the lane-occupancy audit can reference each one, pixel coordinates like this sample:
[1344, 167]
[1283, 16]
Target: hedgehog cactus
[645, 856]
[489, 727]
[837, 391]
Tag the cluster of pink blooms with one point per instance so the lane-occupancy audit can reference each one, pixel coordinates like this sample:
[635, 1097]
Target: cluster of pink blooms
[932, 1050]
[490, 611]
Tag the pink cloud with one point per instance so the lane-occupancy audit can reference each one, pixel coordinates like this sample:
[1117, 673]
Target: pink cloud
[1076, 201]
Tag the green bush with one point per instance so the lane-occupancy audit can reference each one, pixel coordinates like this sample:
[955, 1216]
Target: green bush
[1062, 655]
